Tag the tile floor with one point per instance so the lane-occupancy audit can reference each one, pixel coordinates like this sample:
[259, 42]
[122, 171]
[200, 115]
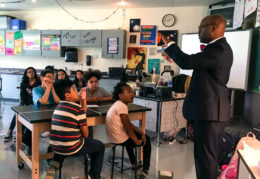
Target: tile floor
[176, 157]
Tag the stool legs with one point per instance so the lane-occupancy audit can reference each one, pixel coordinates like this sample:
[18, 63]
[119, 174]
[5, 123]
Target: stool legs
[60, 166]
[136, 162]
[113, 160]
[122, 164]
[61, 159]
[86, 166]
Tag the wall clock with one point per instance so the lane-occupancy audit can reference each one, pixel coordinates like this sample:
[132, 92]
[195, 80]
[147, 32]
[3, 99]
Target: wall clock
[168, 20]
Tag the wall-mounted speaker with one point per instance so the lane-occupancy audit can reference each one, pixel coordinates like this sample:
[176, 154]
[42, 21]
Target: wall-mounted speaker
[88, 60]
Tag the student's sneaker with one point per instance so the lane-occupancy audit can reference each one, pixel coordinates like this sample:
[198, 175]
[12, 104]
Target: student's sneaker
[50, 174]
[142, 174]
[137, 166]
[8, 137]
[45, 134]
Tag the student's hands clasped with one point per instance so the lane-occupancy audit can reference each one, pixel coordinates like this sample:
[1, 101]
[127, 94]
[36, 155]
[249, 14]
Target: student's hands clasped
[97, 98]
[48, 83]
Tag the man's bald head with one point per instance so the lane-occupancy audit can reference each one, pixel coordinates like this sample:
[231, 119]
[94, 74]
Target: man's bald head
[212, 27]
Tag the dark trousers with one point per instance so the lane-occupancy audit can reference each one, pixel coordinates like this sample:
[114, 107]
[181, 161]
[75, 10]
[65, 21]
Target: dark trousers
[26, 133]
[129, 143]
[206, 141]
[95, 149]
[12, 125]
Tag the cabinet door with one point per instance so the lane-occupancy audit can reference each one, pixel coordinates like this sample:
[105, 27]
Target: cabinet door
[113, 39]
[9, 86]
[70, 38]
[108, 84]
[90, 38]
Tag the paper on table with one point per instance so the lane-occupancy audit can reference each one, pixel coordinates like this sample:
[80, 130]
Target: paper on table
[92, 105]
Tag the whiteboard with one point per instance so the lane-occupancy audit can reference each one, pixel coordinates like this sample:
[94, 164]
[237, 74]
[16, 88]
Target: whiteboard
[240, 42]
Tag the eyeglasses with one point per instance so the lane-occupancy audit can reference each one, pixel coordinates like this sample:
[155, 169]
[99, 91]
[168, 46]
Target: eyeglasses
[50, 77]
[202, 26]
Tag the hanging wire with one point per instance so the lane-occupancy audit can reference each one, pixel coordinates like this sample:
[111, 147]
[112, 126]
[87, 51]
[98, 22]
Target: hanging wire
[82, 20]
[7, 2]
[123, 18]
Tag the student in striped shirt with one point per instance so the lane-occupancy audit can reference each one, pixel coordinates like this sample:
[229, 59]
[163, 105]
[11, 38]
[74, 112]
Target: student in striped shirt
[69, 130]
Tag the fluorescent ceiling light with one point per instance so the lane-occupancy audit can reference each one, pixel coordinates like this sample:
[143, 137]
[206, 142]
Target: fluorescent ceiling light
[122, 3]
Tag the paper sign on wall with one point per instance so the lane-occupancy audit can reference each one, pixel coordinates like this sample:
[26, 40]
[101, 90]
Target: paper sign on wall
[2, 45]
[9, 51]
[50, 42]
[31, 42]
[13, 43]
[112, 45]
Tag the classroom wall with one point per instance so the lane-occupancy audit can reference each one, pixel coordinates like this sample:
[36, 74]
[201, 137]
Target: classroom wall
[187, 20]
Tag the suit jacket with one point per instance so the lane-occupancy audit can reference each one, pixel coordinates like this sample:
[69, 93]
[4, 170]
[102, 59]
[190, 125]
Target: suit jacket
[207, 97]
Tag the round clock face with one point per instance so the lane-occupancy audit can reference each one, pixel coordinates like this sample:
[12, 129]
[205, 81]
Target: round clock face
[168, 20]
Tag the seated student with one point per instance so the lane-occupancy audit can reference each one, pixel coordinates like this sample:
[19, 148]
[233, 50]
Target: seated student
[45, 94]
[120, 130]
[95, 94]
[69, 130]
[79, 81]
[29, 81]
[61, 74]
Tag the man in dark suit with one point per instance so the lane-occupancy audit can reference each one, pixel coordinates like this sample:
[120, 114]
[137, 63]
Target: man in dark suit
[206, 102]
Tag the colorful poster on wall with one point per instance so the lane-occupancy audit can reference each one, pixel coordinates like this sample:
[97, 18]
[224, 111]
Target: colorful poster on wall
[31, 42]
[50, 43]
[2, 44]
[238, 14]
[136, 55]
[148, 35]
[169, 34]
[165, 56]
[153, 63]
[257, 23]
[18, 42]
[13, 43]
[250, 7]
[134, 25]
